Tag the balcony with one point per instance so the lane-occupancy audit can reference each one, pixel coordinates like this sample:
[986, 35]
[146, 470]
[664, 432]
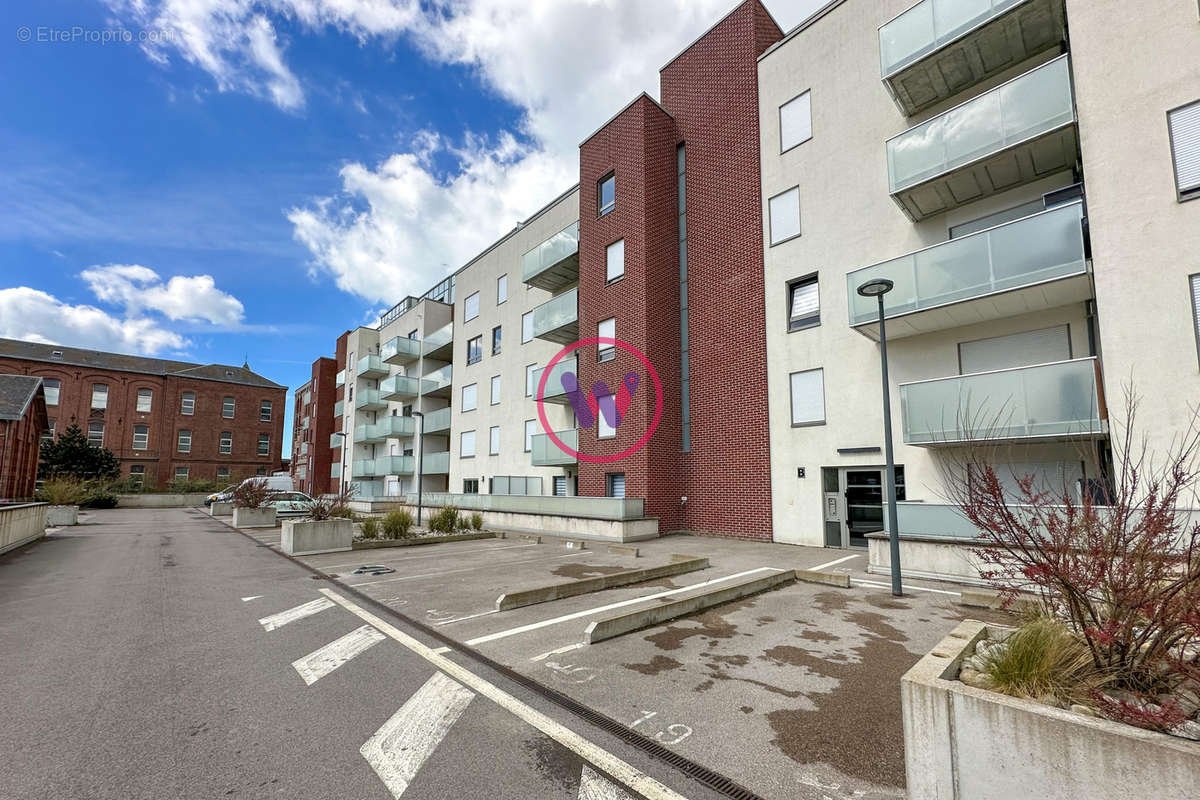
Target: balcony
[335, 441]
[1017, 133]
[401, 387]
[305, 423]
[554, 263]
[439, 345]
[304, 448]
[1063, 400]
[545, 453]
[338, 407]
[1023, 266]
[370, 400]
[335, 470]
[554, 388]
[438, 382]
[371, 367]
[437, 421]
[382, 466]
[939, 48]
[436, 463]
[557, 320]
[340, 378]
[400, 350]
[395, 427]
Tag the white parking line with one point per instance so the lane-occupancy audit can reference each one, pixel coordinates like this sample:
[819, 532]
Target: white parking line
[456, 571]
[251, 597]
[402, 744]
[835, 563]
[327, 567]
[627, 774]
[557, 651]
[319, 663]
[292, 614]
[593, 786]
[907, 586]
[491, 637]
[469, 616]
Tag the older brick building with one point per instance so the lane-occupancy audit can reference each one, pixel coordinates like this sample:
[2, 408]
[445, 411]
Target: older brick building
[162, 419]
[312, 425]
[22, 423]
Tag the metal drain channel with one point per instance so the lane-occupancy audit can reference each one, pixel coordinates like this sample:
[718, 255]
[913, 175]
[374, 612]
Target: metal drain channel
[709, 778]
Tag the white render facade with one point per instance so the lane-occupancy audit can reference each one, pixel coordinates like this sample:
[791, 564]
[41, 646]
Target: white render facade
[1008, 165]
[458, 356]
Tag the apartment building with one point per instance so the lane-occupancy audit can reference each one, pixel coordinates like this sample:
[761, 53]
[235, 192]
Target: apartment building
[1021, 171]
[312, 426]
[162, 419]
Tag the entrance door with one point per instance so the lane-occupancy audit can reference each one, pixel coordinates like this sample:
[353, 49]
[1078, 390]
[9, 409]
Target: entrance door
[864, 505]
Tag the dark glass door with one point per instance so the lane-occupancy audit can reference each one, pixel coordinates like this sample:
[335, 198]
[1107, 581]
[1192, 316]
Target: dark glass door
[864, 504]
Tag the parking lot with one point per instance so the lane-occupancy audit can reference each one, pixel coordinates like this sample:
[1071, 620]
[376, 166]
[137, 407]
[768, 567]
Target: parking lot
[793, 692]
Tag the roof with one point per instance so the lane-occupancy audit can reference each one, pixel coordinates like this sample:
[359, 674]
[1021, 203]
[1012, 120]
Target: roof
[97, 359]
[715, 25]
[804, 25]
[16, 393]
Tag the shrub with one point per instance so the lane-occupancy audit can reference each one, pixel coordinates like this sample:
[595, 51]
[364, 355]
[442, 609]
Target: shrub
[476, 521]
[70, 454]
[251, 494]
[99, 498]
[397, 525]
[1044, 658]
[64, 491]
[193, 486]
[370, 528]
[445, 520]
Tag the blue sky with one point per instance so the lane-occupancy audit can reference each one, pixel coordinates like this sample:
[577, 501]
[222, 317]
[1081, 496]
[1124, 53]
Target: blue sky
[249, 178]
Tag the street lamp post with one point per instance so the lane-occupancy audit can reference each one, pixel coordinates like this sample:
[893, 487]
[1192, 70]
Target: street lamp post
[877, 288]
[342, 473]
[420, 450]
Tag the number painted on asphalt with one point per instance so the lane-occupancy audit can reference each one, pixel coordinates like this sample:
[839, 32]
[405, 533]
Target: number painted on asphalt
[440, 616]
[571, 674]
[674, 733]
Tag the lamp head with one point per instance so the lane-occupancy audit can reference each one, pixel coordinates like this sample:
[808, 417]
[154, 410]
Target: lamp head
[876, 287]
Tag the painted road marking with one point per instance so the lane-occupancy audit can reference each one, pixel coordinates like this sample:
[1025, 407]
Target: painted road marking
[557, 651]
[252, 597]
[835, 563]
[593, 786]
[464, 569]
[398, 749]
[319, 663]
[630, 776]
[491, 637]
[429, 555]
[292, 614]
[469, 616]
[906, 588]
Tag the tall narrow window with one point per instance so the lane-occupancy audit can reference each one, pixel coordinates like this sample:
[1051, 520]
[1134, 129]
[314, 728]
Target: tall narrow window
[466, 447]
[226, 443]
[145, 400]
[527, 327]
[804, 303]
[615, 261]
[474, 350]
[264, 409]
[795, 122]
[51, 386]
[603, 429]
[469, 400]
[264, 444]
[606, 329]
[685, 381]
[471, 307]
[530, 431]
[227, 407]
[784, 209]
[141, 437]
[184, 443]
[501, 289]
[495, 390]
[95, 435]
[530, 385]
[494, 441]
[1184, 126]
[99, 396]
[187, 403]
[614, 484]
[496, 332]
[808, 397]
[1196, 307]
[606, 194]
[137, 474]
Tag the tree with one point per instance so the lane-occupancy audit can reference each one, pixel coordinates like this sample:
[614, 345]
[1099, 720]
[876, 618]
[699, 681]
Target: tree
[70, 455]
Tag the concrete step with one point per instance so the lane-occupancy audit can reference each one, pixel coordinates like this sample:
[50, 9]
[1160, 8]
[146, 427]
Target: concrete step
[557, 591]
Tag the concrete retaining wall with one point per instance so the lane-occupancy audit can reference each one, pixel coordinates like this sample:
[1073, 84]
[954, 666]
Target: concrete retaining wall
[942, 559]
[160, 500]
[21, 524]
[305, 537]
[601, 530]
[254, 517]
[963, 743]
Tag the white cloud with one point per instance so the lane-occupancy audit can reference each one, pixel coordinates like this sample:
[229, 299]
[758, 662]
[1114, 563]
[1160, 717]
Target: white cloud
[138, 289]
[33, 315]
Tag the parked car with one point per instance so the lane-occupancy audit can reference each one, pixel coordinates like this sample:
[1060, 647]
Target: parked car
[278, 483]
[221, 496]
[290, 504]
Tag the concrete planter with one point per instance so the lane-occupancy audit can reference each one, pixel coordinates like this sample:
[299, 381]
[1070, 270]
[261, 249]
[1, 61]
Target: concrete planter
[161, 500]
[62, 516]
[963, 743]
[220, 509]
[302, 537]
[372, 544]
[254, 517]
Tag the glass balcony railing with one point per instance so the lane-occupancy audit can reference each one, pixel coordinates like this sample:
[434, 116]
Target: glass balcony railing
[335, 440]
[395, 427]
[1043, 247]
[554, 388]
[438, 382]
[369, 399]
[384, 465]
[1016, 115]
[554, 263]
[400, 350]
[439, 344]
[610, 508]
[437, 421]
[335, 470]
[338, 408]
[1059, 400]
[305, 423]
[400, 387]
[371, 367]
[557, 320]
[545, 453]
[436, 463]
[340, 378]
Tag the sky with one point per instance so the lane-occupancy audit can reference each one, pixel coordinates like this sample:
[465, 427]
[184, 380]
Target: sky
[242, 180]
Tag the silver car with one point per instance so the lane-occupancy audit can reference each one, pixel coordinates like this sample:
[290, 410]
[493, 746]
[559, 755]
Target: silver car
[290, 504]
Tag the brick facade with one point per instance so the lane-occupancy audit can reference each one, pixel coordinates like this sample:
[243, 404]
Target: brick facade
[20, 436]
[314, 478]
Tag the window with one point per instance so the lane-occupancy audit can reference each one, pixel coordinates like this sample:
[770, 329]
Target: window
[795, 122]
[260, 472]
[530, 384]
[603, 429]
[145, 400]
[471, 307]
[496, 340]
[137, 474]
[99, 396]
[614, 484]
[1184, 127]
[785, 215]
[615, 255]
[187, 403]
[495, 390]
[606, 194]
[475, 350]
[466, 444]
[808, 397]
[606, 329]
[51, 386]
[560, 485]
[184, 445]
[804, 303]
[501, 289]
[141, 437]
[470, 486]
[48, 435]
[95, 435]
[527, 327]
[264, 444]
[181, 473]
[222, 472]
[1195, 279]
[530, 431]
[227, 407]
[469, 400]
[349, 363]
[226, 443]
[494, 441]
[264, 409]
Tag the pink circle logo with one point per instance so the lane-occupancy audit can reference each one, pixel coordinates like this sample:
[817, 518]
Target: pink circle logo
[602, 403]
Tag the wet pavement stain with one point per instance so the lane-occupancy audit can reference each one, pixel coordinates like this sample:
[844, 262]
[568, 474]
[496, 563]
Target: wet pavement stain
[712, 625]
[831, 601]
[554, 762]
[818, 635]
[704, 686]
[884, 601]
[875, 623]
[764, 621]
[746, 710]
[733, 661]
[655, 666]
[579, 571]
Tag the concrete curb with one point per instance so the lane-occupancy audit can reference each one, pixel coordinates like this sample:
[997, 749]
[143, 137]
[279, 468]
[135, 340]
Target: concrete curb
[372, 544]
[618, 624]
[838, 579]
[623, 550]
[557, 591]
